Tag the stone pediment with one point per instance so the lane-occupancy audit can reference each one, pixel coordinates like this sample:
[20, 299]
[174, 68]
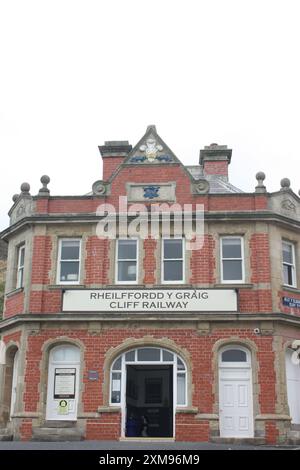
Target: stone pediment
[22, 208]
[286, 203]
[151, 150]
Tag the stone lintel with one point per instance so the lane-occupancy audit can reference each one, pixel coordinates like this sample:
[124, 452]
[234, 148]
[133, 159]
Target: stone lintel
[189, 410]
[207, 416]
[27, 414]
[271, 417]
[109, 409]
[87, 415]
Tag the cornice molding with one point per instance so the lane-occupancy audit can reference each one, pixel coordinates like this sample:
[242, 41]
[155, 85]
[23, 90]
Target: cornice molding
[25, 319]
[211, 216]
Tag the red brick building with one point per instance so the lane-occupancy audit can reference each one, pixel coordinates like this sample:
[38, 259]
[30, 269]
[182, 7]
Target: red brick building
[110, 337]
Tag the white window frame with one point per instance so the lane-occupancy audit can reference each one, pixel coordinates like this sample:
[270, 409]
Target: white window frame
[172, 259]
[135, 361]
[20, 267]
[117, 261]
[61, 240]
[235, 364]
[232, 281]
[293, 265]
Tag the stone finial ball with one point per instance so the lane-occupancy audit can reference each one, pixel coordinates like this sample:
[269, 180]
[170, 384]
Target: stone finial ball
[25, 187]
[15, 197]
[260, 176]
[45, 179]
[285, 183]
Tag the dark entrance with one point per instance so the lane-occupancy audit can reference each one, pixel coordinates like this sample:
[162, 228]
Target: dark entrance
[149, 401]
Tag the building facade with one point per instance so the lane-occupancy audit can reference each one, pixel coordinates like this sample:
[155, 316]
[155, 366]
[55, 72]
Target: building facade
[107, 336]
[3, 256]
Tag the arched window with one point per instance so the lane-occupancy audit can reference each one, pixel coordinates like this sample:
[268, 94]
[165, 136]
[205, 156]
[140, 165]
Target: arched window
[65, 353]
[234, 355]
[146, 356]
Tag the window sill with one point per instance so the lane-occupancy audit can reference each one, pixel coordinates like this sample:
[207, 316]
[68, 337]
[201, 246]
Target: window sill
[14, 292]
[109, 409]
[187, 410]
[172, 284]
[295, 290]
[207, 417]
[120, 286]
[233, 286]
[65, 286]
[126, 283]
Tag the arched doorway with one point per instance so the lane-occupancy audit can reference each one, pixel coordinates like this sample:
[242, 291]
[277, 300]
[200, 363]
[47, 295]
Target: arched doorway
[148, 383]
[8, 404]
[63, 383]
[293, 386]
[14, 384]
[235, 392]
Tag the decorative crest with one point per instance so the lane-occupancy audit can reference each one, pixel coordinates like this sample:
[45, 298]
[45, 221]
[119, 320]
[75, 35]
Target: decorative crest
[288, 205]
[151, 192]
[151, 149]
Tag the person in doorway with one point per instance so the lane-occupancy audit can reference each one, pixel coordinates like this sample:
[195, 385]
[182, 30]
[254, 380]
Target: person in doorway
[132, 426]
[144, 426]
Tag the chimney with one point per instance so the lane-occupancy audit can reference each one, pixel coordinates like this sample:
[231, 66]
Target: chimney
[113, 154]
[215, 159]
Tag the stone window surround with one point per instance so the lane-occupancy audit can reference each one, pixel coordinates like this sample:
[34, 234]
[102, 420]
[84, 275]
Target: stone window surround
[242, 259]
[59, 248]
[293, 244]
[24, 238]
[137, 260]
[20, 267]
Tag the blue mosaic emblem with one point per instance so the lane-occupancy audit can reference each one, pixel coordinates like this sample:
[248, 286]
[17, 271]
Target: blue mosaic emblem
[151, 192]
[164, 158]
[159, 158]
[138, 159]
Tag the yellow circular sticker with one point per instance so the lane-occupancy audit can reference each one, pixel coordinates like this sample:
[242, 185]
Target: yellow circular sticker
[63, 407]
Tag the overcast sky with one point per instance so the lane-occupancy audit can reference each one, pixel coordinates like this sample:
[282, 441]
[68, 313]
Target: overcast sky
[76, 73]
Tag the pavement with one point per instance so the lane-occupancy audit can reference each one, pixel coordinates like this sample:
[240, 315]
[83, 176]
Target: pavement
[119, 446]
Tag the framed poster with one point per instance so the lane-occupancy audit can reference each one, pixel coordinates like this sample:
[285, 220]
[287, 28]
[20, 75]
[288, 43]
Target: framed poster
[64, 383]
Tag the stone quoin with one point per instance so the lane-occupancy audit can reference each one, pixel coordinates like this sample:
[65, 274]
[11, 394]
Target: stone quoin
[143, 337]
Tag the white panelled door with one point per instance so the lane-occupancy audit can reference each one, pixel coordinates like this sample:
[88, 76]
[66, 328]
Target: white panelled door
[235, 400]
[293, 387]
[63, 384]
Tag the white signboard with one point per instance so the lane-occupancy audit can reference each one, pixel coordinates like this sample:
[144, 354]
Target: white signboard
[150, 300]
[64, 383]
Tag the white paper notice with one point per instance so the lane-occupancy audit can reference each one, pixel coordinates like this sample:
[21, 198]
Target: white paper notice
[116, 385]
